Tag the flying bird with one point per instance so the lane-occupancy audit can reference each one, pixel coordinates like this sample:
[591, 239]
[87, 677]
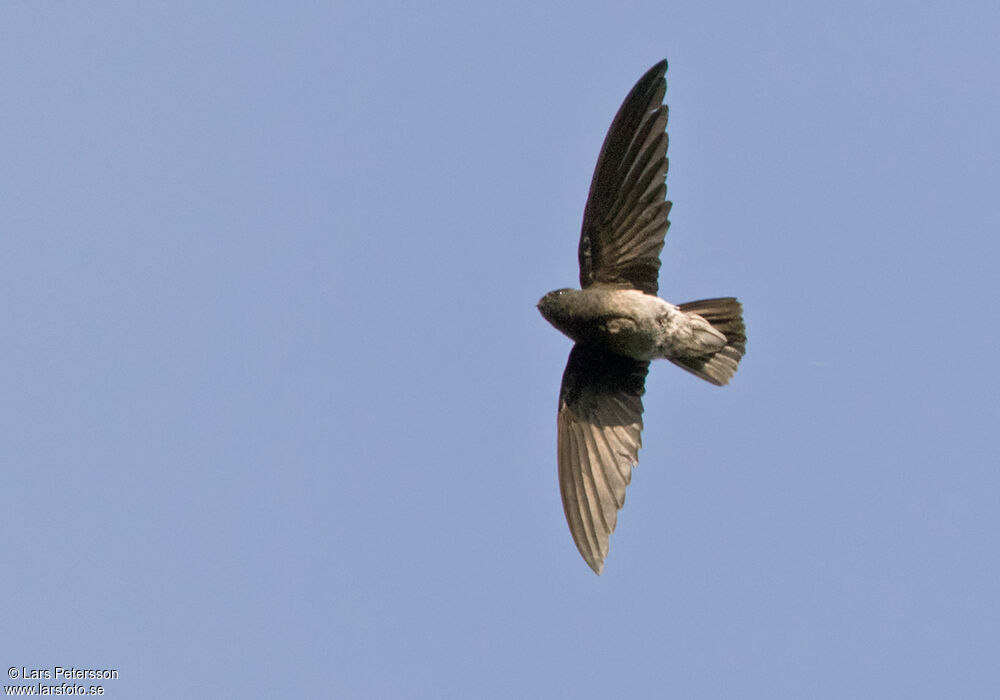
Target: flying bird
[619, 324]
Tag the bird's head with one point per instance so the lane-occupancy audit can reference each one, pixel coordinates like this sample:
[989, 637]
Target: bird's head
[554, 305]
[561, 308]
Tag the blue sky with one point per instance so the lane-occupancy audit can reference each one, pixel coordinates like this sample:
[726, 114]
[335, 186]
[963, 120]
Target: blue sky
[278, 412]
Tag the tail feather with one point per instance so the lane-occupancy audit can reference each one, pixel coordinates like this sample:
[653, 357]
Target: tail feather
[726, 316]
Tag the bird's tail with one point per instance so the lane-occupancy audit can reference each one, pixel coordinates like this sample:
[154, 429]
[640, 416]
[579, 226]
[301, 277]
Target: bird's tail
[726, 316]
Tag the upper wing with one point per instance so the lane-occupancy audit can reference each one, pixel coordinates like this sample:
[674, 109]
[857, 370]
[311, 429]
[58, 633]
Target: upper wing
[600, 422]
[626, 216]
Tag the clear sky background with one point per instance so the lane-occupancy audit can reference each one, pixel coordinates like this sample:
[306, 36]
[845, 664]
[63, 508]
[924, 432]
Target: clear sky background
[277, 412]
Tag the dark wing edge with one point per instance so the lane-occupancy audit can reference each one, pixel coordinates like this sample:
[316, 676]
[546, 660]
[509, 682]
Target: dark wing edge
[625, 220]
[599, 436]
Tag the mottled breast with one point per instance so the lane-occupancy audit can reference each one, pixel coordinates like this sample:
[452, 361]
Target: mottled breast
[624, 321]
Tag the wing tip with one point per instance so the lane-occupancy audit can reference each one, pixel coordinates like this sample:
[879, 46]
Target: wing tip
[596, 565]
[658, 70]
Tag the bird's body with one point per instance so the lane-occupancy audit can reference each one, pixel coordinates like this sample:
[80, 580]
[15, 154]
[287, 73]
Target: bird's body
[630, 323]
[619, 324]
